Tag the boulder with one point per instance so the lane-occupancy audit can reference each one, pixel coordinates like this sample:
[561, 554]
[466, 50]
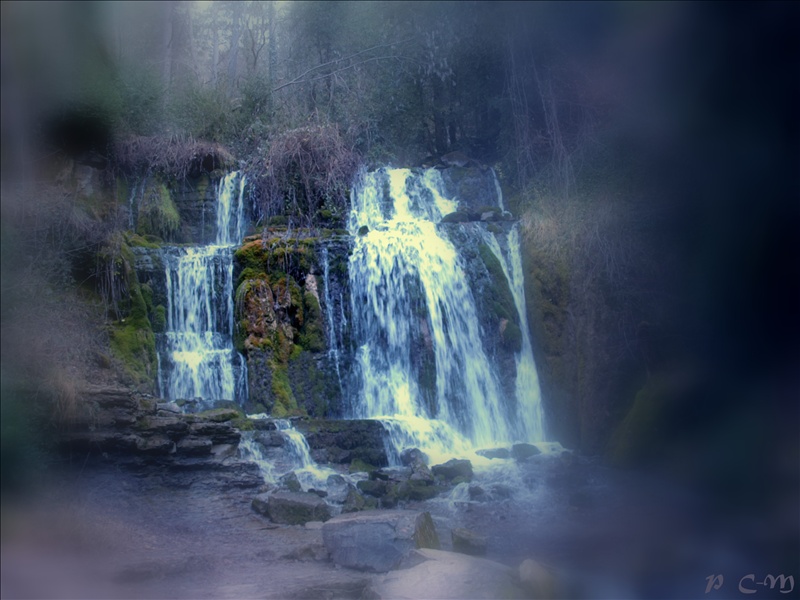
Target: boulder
[494, 453]
[457, 217]
[524, 451]
[338, 488]
[418, 490]
[373, 487]
[410, 456]
[260, 504]
[354, 501]
[454, 468]
[468, 542]
[447, 575]
[291, 482]
[378, 541]
[297, 508]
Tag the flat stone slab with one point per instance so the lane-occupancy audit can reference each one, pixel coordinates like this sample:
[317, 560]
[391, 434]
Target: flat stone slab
[296, 508]
[447, 575]
[378, 541]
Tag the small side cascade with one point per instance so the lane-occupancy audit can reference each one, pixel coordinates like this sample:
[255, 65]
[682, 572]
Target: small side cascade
[309, 473]
[528, 393]
[197, 353]
[334, 332]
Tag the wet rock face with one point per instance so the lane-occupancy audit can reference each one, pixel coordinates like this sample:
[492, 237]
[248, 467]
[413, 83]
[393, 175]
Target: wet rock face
[138, 431]
[473, 186]
[345, 441]
[195, 199]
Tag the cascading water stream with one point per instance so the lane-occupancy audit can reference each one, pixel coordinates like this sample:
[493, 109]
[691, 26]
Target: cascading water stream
[198, 354]
[334, 333]
[411, 298]
[528, 393]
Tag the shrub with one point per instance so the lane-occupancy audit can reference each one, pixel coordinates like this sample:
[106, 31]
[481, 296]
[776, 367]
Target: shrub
[306, 171]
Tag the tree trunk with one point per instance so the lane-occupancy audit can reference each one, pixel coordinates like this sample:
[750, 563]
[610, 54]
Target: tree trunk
[233, 55]
[166, 48]
[273, 56]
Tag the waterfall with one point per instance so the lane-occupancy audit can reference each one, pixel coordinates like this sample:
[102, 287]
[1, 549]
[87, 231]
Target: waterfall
[421, 363]
[198, 353]
[334, 334]
[528, 393]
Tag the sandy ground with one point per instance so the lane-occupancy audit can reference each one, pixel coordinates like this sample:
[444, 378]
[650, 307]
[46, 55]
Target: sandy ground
[111, 534]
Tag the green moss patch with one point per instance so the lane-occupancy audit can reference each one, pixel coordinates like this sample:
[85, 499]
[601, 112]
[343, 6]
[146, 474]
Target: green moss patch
[312, 335]
[501, 300]
[284, 401]
[158, 214]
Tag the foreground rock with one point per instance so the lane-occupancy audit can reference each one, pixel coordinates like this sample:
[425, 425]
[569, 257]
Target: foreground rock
[454, 469]
[524, 451]
[468, 542]
[378, 541]
[447, 575]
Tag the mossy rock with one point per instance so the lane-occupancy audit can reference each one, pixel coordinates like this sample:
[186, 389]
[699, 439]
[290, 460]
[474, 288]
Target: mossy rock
[419, 491]
[359, 466]
[135, 348]
[512, 337]
[131, 339]
[457, 217]
[153, 242]
[244, 424]
[158, 214]
[501, 299]
[312, 335]
[285, 404]
[159, 319]
[249, 273]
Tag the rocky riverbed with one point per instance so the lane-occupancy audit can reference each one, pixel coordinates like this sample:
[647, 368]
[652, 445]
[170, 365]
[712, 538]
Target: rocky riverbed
[152, 503]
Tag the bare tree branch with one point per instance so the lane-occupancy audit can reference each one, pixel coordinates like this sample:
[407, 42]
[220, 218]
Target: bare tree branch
[301, 78]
